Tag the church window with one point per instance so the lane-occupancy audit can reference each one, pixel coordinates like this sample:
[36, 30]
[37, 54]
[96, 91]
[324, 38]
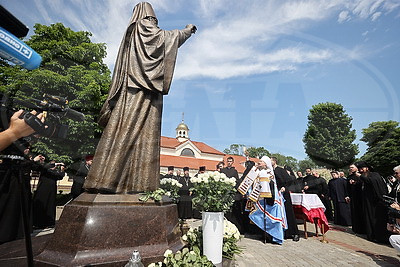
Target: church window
[187, 152]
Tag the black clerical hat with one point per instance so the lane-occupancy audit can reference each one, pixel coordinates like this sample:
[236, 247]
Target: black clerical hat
[185, 169]
[170, 168]
[202, 168]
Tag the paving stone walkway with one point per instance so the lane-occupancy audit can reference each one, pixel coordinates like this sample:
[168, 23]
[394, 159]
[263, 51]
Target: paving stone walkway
[344, 248]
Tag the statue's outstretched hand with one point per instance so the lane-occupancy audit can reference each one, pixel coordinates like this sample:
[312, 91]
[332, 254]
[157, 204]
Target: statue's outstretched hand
[192, 28]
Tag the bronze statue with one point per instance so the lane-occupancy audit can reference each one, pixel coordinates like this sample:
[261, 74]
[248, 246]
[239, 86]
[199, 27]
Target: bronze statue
[127, 158]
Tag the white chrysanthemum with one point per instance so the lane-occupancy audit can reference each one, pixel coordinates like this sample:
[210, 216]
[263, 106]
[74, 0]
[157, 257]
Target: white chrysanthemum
[223, 175]
[184, 238]
[200, 176]
[192, 252]
[168, 194]
[167, 252]
[236, 236]
[179, 185]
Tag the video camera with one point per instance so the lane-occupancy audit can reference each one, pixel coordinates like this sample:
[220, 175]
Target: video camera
[393, 214]
[54, 108]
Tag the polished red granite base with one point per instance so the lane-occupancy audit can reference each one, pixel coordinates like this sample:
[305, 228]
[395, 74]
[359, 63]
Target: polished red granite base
[104, 230]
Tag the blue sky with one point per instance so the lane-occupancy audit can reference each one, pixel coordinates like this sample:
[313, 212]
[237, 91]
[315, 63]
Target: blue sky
[255, 68]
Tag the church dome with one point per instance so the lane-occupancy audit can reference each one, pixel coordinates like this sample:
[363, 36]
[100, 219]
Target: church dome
[182, 127]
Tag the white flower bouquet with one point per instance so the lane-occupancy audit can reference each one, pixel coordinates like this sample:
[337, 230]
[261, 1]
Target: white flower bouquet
[213, 192]
[171, 188]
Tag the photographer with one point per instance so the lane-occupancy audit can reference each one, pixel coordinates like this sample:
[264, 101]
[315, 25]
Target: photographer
[394, 225]
[16, 130]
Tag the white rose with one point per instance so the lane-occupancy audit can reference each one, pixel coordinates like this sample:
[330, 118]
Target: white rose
[167, 252]
[168, 194]
[184, 238]
[223, 175]
[200, 176]
[152, 265]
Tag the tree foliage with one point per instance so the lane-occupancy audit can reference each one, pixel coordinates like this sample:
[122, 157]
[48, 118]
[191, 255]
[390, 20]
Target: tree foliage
[73, 68]
[234, 149]
[306, 163]
[258, 152]
[328, 140]
[383, 141]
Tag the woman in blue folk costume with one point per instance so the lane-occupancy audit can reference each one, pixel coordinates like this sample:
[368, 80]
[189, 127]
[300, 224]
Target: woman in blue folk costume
[265, 202]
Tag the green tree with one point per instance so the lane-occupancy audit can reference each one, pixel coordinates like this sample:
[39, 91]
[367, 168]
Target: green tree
[383, 141]
[328, 140]
[306, 163]
[258, 152]
[73, 68]
[234, 149]
[285, 160]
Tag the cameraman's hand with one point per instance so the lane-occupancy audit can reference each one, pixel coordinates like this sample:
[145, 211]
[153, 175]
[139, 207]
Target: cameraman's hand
[18, 126]
[17, 129]
[395, 205]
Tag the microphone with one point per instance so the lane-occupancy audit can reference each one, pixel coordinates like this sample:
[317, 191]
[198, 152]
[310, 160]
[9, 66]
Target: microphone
[16, 51]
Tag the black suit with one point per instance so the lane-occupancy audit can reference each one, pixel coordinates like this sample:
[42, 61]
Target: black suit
[283, 180]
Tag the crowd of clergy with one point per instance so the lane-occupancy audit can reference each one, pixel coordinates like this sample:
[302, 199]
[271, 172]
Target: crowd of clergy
[361, 199]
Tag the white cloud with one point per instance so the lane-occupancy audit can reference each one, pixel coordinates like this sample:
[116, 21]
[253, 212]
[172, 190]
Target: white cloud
[234, 38]
[376, 15]
[343, 16]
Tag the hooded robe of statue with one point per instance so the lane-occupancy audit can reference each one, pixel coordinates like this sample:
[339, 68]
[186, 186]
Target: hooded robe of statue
[127, 159]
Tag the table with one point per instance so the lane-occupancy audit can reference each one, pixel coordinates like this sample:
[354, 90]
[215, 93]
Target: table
[309, 207]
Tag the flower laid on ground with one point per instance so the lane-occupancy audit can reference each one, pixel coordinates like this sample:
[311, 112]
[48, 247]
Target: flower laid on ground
[186, 257]
[194, 238]
[213, 191]
[231, 238]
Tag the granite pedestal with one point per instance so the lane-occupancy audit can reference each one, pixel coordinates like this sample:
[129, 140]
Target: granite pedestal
[104, 230]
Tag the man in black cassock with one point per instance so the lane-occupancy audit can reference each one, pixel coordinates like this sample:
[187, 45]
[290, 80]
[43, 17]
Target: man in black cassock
[236, 215]
[338, 193]
[310, 183]
[283, 181]
[185, 210]
[170, 173]
[354, 186]
[323, 194]
[80, 176]
[44, 199]
[14, 192]
[374, 209]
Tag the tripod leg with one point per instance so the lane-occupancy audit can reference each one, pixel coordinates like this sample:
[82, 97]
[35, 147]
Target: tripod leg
[25, 218]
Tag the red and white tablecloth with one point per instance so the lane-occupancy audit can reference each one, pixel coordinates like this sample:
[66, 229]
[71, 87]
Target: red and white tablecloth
[310, 207]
